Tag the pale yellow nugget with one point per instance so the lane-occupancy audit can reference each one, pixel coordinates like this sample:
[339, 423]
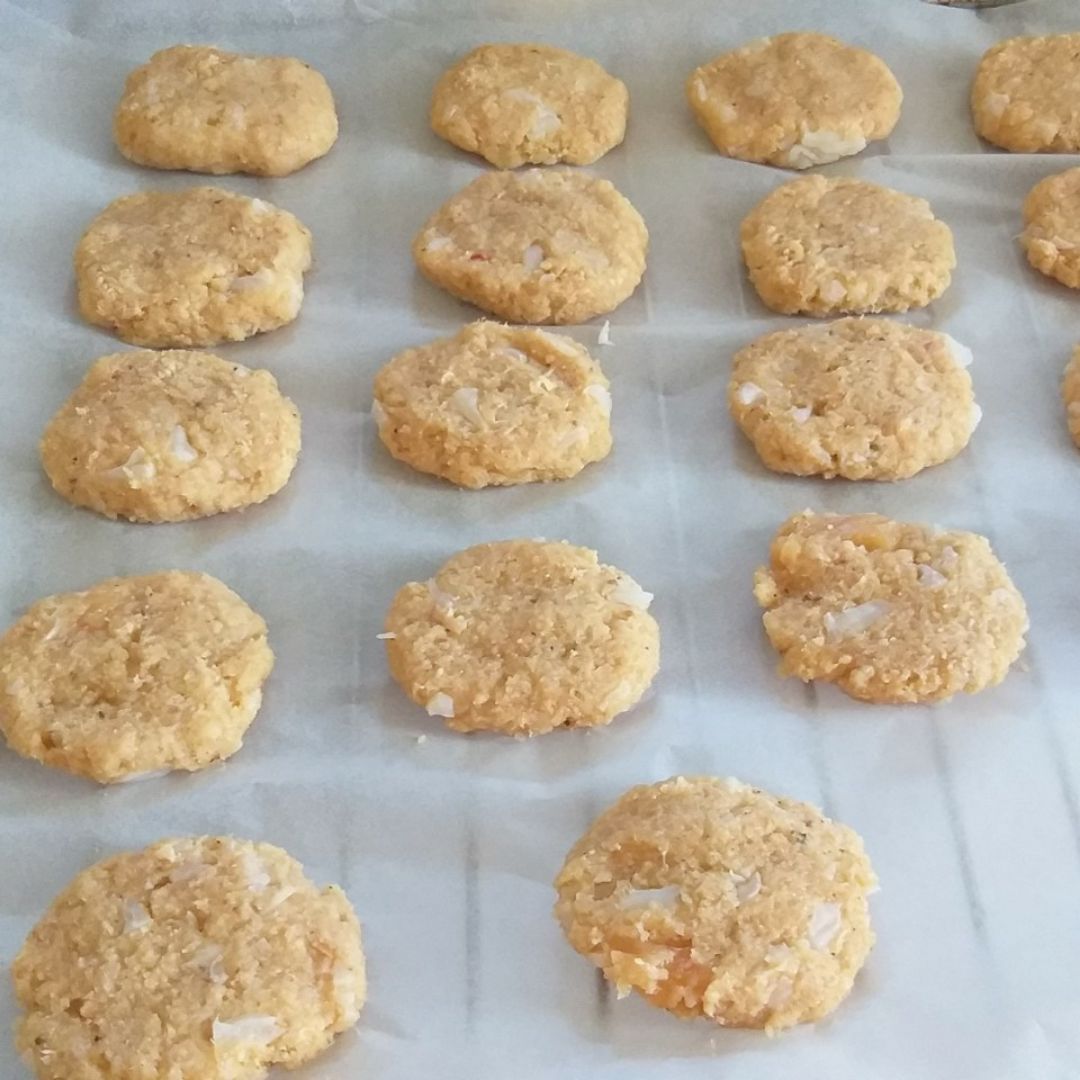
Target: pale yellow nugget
[529, 105]
[133, 676]
[795, 100]
[201, 958]
[818, 246]
[191, 268]
[169, 436]
[865, 399]
[210, 111]
[495, 405]
[714, 899]
[540, 246]
[523, 637]
[890, 612]
[1025, 91]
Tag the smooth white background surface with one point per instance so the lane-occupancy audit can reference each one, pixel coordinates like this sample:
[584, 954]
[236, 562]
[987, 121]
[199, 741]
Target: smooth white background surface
[447, 848]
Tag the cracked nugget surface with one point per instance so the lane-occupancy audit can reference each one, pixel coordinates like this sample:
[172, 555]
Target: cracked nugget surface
[541, 246]
[865, 399]
[195, 267]
[795, 100]
[712, 898]
[169, 436]
[522, 637]
[133, 675]
[889, 611]
[1024, 94]
[818, 246]
[495, 405]
[199, 958]
[527, 104]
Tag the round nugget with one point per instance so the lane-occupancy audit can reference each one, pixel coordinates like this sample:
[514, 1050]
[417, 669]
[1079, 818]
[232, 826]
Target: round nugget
[554, 246]
[795, 100]
[865, 399]
[194, 267]
[1025, 92]
[889, 611]
[495, 405]
[529, 104]
[1051, 235]
[712, 898]
[1070, 392]
[198, 957]
[523, 637]
[136, 675]
[831, 247]
[170, 436]
[210, 111]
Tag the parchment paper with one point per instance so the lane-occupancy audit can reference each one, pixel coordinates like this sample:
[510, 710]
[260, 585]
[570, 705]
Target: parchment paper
[447, 847]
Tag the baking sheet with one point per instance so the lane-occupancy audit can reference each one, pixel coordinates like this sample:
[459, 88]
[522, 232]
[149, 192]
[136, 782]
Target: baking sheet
[447, 847]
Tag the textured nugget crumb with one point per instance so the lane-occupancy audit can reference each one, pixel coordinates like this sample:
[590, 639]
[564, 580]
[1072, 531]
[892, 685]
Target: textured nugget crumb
[203, 957]
[857, 398]
[552, 246]
[522, 637]
[495, 405]
[820, 246]
[169, 436]
[133, 675]
[1024, 94]
[714, 899]
[191, 268]
[795, 100]
[527, 104]
[889, 611]
[207, 110]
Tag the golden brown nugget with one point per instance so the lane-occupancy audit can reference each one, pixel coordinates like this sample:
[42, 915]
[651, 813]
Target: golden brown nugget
[818, 246]
[529, 105]
[522, 637]
[210, 111]
[168, 436]
[191, 268]
[865, 399]
[541, 246]
[1025, 92]
[795, 100]
[134, 676]
[1051, 236]
[495, 405]
[202, 957]
[889, 611]
[712, 898]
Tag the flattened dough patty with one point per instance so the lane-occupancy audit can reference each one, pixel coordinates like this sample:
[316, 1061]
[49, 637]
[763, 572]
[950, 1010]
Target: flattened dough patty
[495, 405]
[210, 111]
[191, 268]
[522, 637]
[134, 675]
[529, 105]
[1025, 92]
[865, 399]
[542, 246]
[795, 100]
[712, 898]
[202, 957]
[167, 436]
[889, 611]
[818, 246]
[1051, 236]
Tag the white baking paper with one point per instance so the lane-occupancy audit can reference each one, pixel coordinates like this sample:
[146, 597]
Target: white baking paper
[447, 844]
